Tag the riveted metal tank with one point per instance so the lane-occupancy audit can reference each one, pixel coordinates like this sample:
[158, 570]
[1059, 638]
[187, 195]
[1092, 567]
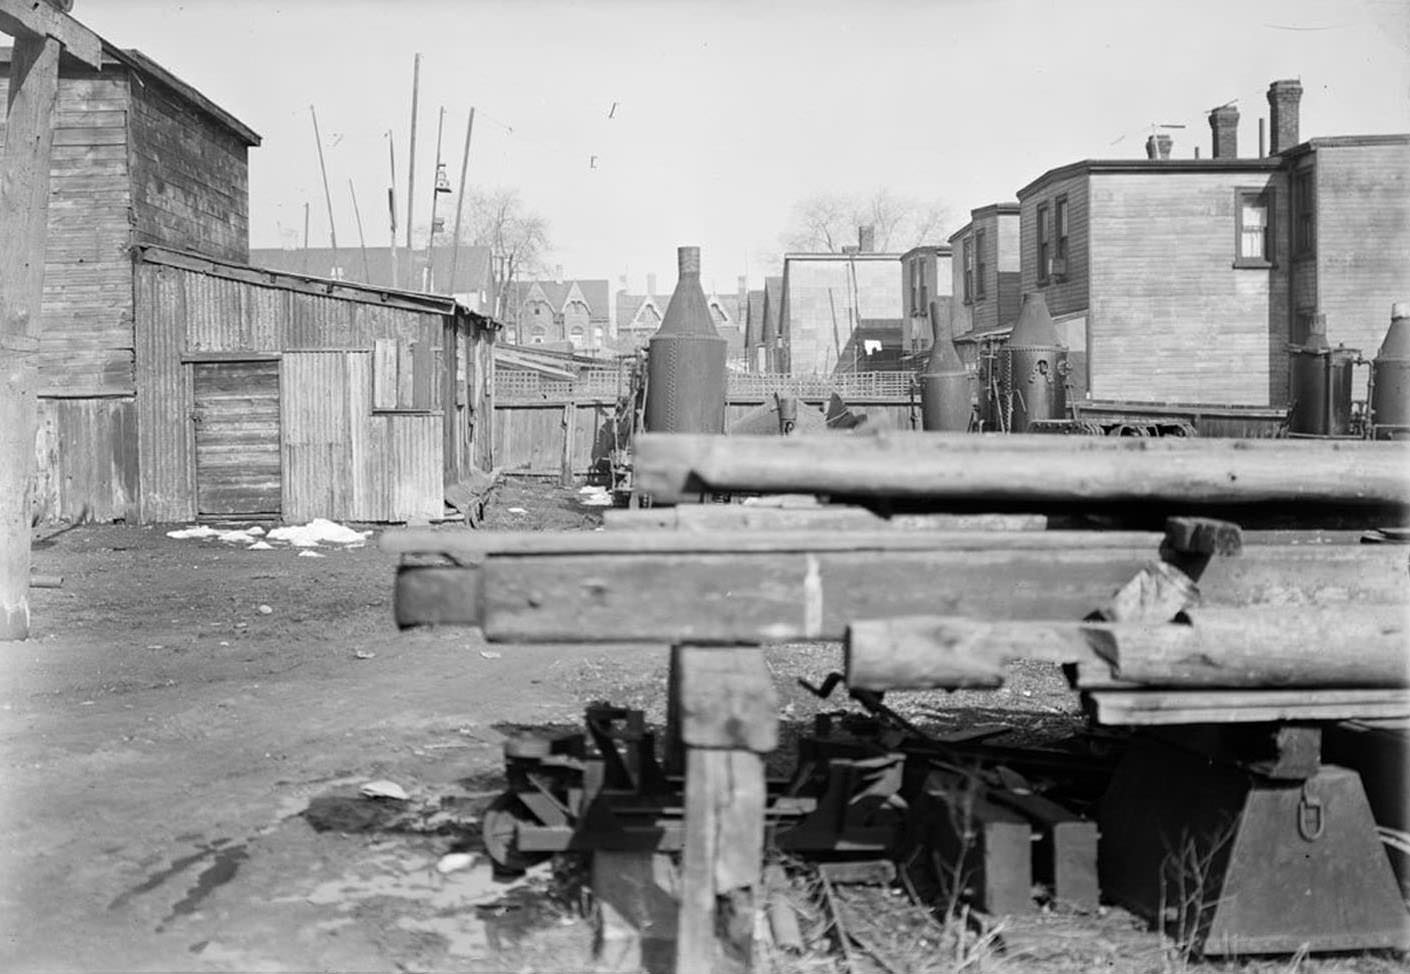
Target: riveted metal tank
[1032, 369]
[944, 382]
[685, 360]
[1321, 384]
[1390, 378]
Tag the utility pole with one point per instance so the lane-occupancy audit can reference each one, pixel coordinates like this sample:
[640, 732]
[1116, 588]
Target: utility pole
[392, 209]
[441, 185]
[305, 255]
[361, 240]
[41, 31]
[460, 197]
[411, 167]
[327, 196]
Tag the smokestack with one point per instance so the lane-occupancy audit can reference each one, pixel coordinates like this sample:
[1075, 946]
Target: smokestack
[1283, 100]
[1152, 150]
[651, 285]
[1262, 138]
[866, 239]
[1224, 124]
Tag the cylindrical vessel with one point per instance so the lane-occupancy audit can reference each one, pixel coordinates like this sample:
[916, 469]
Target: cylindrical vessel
[944, 383]
[1309, 382]
[1032, 369]
[1340, 365]
[685, 360]
[1390, 378]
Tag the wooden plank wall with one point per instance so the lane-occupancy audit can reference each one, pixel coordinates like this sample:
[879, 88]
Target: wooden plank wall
[190, 178]
[236, 437]
[87, 460]
[528, 436]
[1072, 294]
[1171, 318]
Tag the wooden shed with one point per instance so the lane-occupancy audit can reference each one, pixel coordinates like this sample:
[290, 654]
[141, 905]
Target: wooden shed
[263, 393]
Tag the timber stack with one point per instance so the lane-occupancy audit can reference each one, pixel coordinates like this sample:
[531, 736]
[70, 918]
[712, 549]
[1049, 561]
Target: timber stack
[1221, 618]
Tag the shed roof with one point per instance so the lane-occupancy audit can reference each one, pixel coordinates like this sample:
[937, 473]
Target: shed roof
[472, 265]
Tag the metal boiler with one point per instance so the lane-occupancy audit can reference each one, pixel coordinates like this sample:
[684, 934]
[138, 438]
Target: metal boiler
[685, 362]
[944, 383]
[1321, 385]
[1032, 369]
[1390, 378]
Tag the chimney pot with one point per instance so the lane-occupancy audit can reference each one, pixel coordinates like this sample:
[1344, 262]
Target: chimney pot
[1163, 142]
[1152, 150]
[866, 239]
[1284, 97]
[1224, 125]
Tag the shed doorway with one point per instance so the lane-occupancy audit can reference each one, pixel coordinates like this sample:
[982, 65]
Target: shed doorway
[236, 418]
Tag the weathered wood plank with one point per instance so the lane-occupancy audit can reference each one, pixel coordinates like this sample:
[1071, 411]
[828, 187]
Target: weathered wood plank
[727, 699]
[1002, 473]
[1205, 706]
[833, 517]
[25, 20]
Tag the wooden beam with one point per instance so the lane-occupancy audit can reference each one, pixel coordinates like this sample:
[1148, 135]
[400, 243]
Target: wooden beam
[464, 546]
[36, 19]
[24, 203]
[1134, 708]
[779, 596]
[1262, 647]
[955, 471]
[829, 517]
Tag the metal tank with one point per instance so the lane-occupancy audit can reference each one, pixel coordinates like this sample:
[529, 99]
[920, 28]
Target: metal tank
[1032, 369]
[1321, 385]
[685, 360]
[944, 382]
[1390, 378]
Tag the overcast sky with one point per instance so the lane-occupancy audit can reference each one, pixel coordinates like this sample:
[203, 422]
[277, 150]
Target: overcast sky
[729, 111]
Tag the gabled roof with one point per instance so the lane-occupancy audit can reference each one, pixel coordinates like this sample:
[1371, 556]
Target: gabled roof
[472, 266]
[557, 293]
[628, 305]
[153, 73]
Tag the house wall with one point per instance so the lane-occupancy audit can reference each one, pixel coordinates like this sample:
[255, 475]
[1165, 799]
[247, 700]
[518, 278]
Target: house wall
[925, 277]
[1363, 241]
[342, 457]
[822, 306]
[190, 178]
[1170, 317]
[1073, 292]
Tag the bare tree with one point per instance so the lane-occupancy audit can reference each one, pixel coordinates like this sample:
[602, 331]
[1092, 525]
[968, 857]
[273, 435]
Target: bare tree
[518, 238]
[829, 221]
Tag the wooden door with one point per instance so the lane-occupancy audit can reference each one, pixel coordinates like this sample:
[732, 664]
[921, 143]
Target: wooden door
[237, 437]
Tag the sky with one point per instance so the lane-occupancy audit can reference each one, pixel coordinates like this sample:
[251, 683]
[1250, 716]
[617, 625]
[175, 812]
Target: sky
[728, 112]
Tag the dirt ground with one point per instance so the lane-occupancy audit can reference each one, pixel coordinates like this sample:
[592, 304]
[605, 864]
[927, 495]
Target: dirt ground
[185, 735]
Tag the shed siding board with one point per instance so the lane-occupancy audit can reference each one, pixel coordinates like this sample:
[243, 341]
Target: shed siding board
[190, 178]
[86, 452]
[409, 464]
[163, 406]
[86, 340]
[1363, 241]
[1171, 319]
[237, 437]
[317, 436]
[1072, 294]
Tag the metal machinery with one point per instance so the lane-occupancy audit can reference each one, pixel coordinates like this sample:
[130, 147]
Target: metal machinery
[944, 383]
[1321, 385]
[1390, 379]
[1032, 370]
[685, 388]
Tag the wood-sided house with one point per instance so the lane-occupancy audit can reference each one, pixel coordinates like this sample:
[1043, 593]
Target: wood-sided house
[1185, 280]
[176, 382]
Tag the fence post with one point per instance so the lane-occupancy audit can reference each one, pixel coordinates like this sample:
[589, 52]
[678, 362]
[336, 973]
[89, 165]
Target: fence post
[570, 421]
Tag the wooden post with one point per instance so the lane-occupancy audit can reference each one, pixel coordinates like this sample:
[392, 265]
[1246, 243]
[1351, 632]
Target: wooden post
[412, 284]
[570, 421]
[361, 239]
[41, 32]
[327, 196]
[460, 202]
[727, 713]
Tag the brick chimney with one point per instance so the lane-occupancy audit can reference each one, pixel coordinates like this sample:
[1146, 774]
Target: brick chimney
[1283, 100]
[866, 238]
[1158, 146]
[1224, 124]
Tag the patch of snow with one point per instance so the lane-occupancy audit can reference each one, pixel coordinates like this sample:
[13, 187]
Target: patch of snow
[318, 531]
[260, 546]
[308, 553]
[194, 531]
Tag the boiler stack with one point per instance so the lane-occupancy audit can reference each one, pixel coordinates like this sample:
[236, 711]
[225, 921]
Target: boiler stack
[1032, 369]
[944, 384]
[1390, 378]
[685, 361]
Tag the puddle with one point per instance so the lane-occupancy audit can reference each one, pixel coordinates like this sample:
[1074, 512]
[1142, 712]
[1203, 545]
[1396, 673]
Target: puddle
[217, 874]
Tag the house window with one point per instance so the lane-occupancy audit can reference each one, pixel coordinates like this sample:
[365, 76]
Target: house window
[576, 336]
[1060, 233]
[1044, 245]
[968, 270]
[1253, 212]
[981, 269]
[1304, 229]
[917, 307]
[597, 335]
[537, 335]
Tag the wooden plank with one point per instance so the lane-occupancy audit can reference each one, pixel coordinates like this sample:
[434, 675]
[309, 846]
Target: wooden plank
[983, 850]
[727, 699]
[637, 910]
[812, 516]
[1156, 707]
[1065, 855]
[28, 19]
[612, 543]
[1012, 473]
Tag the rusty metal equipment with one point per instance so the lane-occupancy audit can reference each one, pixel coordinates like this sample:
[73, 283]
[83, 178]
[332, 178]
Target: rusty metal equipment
[685, 391]
[1390, 379]
[1321, 385]
[944, 383]
[1235, 860]
[1032, 369]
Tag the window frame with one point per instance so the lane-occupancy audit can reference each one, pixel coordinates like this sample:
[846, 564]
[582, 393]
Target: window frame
[981, 269]
[1268, 196]
[1061, 221]
[1304, 210]
[1041, 232]
[967, 250]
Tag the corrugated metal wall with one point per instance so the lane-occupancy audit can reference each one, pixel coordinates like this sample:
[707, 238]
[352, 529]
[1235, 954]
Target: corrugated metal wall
[340, 459]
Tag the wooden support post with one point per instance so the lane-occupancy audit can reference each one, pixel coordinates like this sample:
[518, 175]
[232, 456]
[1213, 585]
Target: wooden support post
[727, 715]
[983, 850]
[1065, 855]
[570, 422]
[41, 32]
